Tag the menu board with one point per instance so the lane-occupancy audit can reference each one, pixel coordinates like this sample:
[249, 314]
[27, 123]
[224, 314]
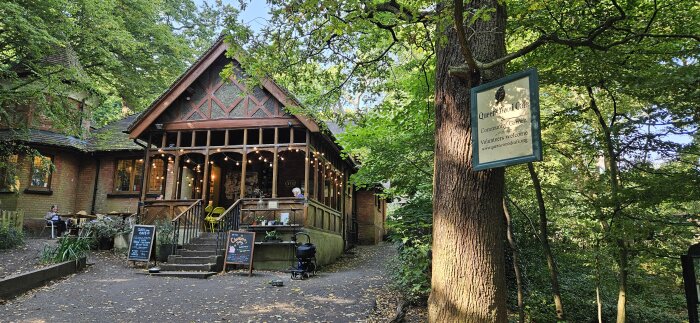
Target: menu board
[239, 248]
[141, 243]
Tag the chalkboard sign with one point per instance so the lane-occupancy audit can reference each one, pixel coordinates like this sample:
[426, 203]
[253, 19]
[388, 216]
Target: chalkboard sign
[141, 244]
[239, 248]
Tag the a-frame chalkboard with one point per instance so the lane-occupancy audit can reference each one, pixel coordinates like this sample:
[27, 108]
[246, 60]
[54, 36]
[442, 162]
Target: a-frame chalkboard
[239, 249]
[141, 245]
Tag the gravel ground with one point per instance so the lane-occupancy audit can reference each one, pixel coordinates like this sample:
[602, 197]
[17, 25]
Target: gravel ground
[24, 258]
[350, 290]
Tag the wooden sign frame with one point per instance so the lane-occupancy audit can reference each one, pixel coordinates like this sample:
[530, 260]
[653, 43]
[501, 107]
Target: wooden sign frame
[151, 250]
[252, 251]
[533, 137]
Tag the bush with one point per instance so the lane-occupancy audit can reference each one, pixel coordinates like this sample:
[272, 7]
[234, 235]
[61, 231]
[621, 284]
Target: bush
[10, 237]
[164, 231]
[105, 227]
[411, 226]
[68, 248]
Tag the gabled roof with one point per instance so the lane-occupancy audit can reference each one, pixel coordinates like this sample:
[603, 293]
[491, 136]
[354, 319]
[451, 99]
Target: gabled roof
[188, 77]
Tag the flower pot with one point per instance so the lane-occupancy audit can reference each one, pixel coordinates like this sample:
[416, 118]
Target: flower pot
[164, 250]
[105, 243]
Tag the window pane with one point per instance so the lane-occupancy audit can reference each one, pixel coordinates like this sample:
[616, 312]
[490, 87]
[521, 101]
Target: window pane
[137, 176]
[156, 178]
[124, 171]
[41, 170]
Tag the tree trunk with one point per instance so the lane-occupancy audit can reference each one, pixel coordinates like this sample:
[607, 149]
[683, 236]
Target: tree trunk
[468, 269]
[544, 239]
[516, 263]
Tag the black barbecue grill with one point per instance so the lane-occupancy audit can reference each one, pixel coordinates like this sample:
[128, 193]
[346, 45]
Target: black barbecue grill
[306, 258]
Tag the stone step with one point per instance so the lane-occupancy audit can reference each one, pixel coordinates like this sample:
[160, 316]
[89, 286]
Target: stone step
[199, 253]
[184, 274]
[200, 246]
[177, 259]
[187, 267]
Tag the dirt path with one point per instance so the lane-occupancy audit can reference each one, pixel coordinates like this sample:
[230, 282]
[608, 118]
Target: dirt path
[23, 258]
[110, 291]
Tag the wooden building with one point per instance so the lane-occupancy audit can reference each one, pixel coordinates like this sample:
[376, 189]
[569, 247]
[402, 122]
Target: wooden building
[216, 142]
[207, 142]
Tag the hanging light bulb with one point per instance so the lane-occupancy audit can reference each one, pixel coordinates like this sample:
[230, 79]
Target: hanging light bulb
[250, 161]
[281, 158]
[238, 164]
[226, 158]
[270, 164]
[188, 160]
[260, 158]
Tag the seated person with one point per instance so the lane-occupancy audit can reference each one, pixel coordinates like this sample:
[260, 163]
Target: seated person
[297, 193]
[52, 216]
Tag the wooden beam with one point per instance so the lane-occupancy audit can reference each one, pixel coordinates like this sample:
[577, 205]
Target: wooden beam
[220, 124]
[178, 88]
[176, 175]
[205, 179]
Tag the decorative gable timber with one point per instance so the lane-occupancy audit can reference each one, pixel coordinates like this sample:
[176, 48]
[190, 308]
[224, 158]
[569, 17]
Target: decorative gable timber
[200, 98]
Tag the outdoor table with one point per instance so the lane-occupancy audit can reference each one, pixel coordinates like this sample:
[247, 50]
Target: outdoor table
[74, 228]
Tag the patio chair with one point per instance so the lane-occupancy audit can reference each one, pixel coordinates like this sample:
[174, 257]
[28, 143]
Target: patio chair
[211, 218]
[49, 224]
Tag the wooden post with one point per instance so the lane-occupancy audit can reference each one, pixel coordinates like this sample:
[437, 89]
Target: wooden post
[307, 160]
[275, 164]
[205, 178]
[226, 138]
[176, 177]
[146, 167]
[244, 162]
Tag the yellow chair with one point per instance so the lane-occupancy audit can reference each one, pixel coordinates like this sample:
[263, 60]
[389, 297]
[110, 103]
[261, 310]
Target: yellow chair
[213, 215]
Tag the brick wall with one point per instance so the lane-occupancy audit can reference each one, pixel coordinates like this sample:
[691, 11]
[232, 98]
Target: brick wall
[64, 184]
[104, 202]
[370, 218]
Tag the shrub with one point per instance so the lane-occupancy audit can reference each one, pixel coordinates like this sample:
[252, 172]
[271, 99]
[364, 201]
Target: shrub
[10, 237]
[68, 248]
[105, 227]
[410, 226]
[164, 231]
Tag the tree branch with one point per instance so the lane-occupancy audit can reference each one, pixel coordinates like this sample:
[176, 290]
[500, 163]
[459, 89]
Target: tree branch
[462, 36]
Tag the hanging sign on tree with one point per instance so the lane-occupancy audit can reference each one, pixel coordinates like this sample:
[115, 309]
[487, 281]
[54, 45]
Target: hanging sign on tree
[506, 121]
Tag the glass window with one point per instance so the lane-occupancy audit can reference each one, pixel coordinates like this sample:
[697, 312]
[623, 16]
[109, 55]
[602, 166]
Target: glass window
[128, 175]
[156, 178]
[8, 170]
[41, 172]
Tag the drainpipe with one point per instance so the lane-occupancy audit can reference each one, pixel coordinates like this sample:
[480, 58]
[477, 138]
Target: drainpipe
[143, 180]
[94, 189]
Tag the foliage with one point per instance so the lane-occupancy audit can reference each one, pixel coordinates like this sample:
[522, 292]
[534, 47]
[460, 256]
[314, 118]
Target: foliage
[105, 227]
[97, 51]
[165, 231]
[272, 235]
[410, 227]
[68, 248]
[10, 237]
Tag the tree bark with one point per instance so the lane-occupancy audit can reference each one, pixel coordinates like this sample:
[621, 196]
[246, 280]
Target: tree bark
[544, 239]
[468, 269]
[516, 263]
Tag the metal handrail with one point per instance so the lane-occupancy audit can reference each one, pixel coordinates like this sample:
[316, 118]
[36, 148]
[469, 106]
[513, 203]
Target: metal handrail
[229, 220]
[190, 221]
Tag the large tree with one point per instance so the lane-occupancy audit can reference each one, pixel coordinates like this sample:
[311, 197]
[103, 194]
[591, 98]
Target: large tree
[349, 45]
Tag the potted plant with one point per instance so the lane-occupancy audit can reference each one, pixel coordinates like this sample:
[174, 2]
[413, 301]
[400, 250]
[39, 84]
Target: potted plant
[103, 230]
[272, 236]
[259, 220]
[164, 238]
[121, 239]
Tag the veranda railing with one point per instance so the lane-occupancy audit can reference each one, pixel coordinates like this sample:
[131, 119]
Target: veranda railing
[189, 224]
[229, 220]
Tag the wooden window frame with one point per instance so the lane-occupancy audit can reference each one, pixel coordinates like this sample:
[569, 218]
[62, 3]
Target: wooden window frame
[131, 177]
[31, 187]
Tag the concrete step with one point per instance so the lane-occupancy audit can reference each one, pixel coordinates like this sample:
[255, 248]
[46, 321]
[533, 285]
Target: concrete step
[199, 253]
[200, 246]
[187, 267]
[184, 274]
[177, 259]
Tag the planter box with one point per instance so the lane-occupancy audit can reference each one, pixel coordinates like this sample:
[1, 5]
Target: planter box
[18, 284]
